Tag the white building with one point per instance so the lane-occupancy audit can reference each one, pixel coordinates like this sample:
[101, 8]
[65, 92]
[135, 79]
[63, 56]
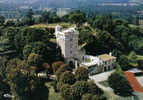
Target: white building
[68, 41]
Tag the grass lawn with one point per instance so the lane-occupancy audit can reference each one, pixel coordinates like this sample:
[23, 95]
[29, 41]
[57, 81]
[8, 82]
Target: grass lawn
[52, 94]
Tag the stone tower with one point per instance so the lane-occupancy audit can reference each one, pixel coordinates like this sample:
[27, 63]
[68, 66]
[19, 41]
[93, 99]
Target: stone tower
[68, 41]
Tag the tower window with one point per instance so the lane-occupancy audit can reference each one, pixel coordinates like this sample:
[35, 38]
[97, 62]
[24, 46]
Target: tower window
[70, 39]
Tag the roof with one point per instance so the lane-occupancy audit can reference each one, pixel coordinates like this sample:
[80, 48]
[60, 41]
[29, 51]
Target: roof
[106, 57]
[133, 82]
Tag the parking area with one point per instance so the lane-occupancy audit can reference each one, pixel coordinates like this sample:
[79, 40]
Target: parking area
[102, 76]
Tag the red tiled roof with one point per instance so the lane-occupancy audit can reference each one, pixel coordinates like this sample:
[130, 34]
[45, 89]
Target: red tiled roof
[133, 82]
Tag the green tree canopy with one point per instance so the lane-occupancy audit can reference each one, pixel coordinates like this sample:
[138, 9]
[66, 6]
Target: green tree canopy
[35, 60]
[2, 20]
[67, 77]
[81, 73]
[121, 87]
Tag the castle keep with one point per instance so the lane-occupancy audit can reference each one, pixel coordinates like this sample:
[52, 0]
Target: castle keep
[67, 39]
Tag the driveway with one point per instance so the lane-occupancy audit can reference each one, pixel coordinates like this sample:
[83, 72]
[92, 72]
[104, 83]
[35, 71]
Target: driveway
[108, 92]
[101, 77]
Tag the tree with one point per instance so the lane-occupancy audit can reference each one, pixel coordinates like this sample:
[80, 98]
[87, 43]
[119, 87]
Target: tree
[47, 68]
[24, 84]
[78, 89]
[62, 69]
[56, 65]
[2, 20]
[35, 60]
[35, 47]
[94, 89]
[30, 14]
[67, 78]
[104, 23]
[121, 87]
[140, 63]
[25, 87]
[81, 73]
[133, 59]
[4, 88]
[66, 92]
[77, 17]
[45, 17]
[3, 61]
[124, 62]
[29, 20]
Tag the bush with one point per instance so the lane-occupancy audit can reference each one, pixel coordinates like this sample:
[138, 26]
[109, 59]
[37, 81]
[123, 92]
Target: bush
[56, 65]
[67, 77]
[81, 73]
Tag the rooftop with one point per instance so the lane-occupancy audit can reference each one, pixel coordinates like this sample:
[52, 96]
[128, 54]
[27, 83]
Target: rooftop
[106, 57]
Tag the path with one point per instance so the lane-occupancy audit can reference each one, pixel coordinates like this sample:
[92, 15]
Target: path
[108, 92]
